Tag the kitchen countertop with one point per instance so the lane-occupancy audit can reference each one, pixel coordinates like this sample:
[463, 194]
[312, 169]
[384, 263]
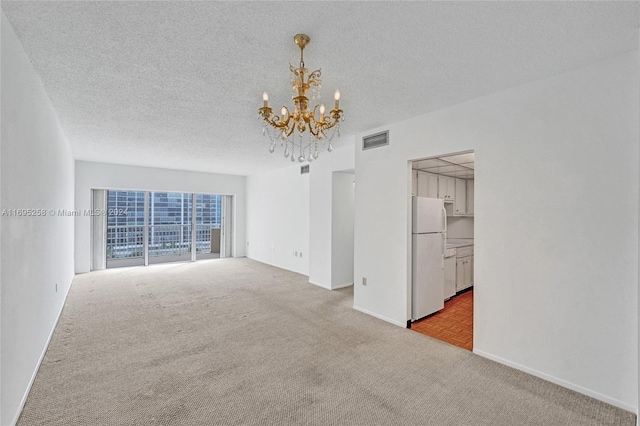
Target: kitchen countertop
[459, 242]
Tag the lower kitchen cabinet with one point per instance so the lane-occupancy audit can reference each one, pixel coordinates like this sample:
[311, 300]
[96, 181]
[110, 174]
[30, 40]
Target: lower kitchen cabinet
[464, 272]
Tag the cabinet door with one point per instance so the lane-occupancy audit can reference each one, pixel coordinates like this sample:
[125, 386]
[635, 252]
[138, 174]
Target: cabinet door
[459, 274]
[432, 185]
[427, 185]
[423, 184]
[470, 190]
[460, 204]
[464, 272]
[449, 277]
[414, 182]
[446, 187]
[451, 188]
[468, 281]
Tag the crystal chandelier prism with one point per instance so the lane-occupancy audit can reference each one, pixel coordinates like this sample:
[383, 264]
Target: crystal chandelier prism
[303, 132]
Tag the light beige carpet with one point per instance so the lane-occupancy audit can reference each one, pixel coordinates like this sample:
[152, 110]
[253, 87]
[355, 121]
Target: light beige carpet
[236, 342]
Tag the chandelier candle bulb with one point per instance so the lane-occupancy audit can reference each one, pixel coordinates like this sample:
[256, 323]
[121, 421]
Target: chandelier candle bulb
[336, 97]
[265, 99]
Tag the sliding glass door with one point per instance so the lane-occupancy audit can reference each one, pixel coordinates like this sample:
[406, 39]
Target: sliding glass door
[207, 219]
[153, 227]
[169, 227]
[125, 228]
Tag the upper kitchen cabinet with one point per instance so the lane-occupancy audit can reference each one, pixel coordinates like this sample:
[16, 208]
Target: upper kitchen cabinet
[414, 182]
[450, 178]
[427, 185]
[446, 188]
[460, 203]
[470, 189]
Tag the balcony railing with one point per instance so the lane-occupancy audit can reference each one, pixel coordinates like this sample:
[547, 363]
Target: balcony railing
[126, 242]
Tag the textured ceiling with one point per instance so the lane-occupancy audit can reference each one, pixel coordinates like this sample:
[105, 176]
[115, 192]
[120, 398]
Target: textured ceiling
[178, 84]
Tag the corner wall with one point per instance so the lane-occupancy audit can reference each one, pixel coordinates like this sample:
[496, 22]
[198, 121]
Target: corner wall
[90, 175]
[289, 212]
[320, 214]
[37, 172]
[342, 216]
[556, 224]
[278, 218]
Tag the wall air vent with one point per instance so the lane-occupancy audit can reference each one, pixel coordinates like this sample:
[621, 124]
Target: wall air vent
[304, 169]
[374, 141]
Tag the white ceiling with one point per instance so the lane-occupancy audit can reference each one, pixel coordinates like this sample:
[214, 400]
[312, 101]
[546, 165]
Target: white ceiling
[178, 84]
[460, 165]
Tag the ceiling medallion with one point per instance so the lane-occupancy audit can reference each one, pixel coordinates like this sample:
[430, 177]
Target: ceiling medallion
[290, 128]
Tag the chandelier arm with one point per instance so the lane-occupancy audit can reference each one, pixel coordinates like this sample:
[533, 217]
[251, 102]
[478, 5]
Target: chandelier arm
[277, 122]
[332, 122]
[314, 78]
[318, 130]
[291, 129]
[312, 117]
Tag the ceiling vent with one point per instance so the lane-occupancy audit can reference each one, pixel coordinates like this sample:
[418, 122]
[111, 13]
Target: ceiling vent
[304, 169]
[375, 141]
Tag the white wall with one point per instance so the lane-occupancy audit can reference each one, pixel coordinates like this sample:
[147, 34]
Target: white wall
[556, 224]
[37, 252]
[342, 215]
[321, 187]
[289, 212]
[91, 175]
[278, 218]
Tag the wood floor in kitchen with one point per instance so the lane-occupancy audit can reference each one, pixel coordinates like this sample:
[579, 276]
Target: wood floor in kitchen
[453, 324]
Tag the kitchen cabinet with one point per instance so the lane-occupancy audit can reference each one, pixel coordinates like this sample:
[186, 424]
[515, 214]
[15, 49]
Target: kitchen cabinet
[449, 273]
[470, 190]
[427, 185]
[446, 188]
[414, 182]
[464, 268]
[460, 202]
[464, 273]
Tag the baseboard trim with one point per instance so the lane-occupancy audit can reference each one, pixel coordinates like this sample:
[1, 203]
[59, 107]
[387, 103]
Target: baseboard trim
[341, 286]
[44, 352]
[382, 317]
[278, 266]
[319, 285]
[557, 381]
[329, 287]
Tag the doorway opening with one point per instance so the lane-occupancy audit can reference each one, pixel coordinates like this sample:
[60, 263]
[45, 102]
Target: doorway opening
[342, 223]
[145, 227]
[442, 248]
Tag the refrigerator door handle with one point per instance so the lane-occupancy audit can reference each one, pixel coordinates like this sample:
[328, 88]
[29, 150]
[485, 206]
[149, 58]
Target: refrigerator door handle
[444, 245]
[444, 219]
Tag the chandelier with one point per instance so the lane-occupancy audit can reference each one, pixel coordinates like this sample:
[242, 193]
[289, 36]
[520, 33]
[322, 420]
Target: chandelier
[289, 129]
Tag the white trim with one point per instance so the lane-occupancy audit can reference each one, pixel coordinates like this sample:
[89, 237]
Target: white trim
[44, 351]
[320, 285]
[382, 317]
[337, 287]
[279, 267]
[557, 381]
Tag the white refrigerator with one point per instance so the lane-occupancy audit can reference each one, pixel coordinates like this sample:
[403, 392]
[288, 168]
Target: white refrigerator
[429, 236]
